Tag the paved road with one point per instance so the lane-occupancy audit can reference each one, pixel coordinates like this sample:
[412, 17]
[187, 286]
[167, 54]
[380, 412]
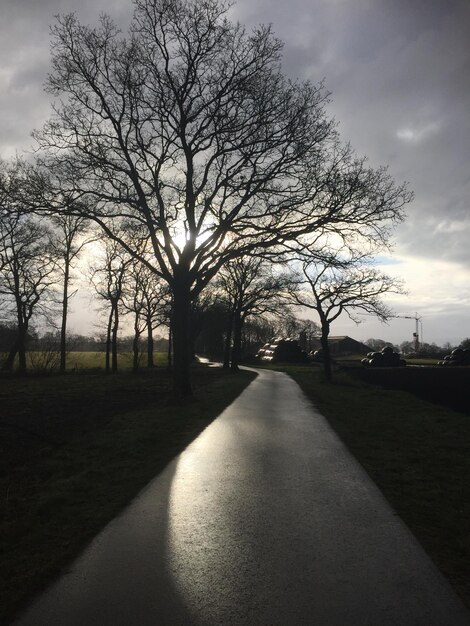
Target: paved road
[264, 520]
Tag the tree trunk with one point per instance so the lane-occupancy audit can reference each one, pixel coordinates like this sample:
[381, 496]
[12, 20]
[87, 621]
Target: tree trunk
[135, 354]
[135, 344]
[170, 348]
[228, 340]
[10, 360]
[63, 327]
[325, 331]
[237, 341]
[114, 365]
[150, 361]
[21, 341]
[181, 338]
[22, 349]
[108, 341]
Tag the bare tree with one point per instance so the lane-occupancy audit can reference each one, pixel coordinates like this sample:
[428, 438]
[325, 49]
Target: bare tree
[252, 288]
[68, 247]
[133, 303]
[147, 298]
[108, 278]
[304, 330]
[257, 331]
[188, 128]
[12, 176]
[156, 300]
[27, 267]
[378, 344]
[348, 286]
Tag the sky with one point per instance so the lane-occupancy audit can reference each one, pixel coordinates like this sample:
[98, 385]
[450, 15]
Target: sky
[399, 76]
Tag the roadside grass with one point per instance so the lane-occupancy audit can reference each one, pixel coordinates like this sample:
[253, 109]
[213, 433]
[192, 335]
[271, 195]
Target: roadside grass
[418, 454]
[90, 360]
[75, 449]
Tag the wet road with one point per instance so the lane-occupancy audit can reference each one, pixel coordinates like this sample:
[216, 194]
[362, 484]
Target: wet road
[264, 520]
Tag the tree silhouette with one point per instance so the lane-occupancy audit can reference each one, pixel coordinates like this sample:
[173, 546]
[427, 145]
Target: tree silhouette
[147, 298]
[67, 246]
[27, 266]
[252, 288]
[342, 285]
[189, 129]
[108, 276]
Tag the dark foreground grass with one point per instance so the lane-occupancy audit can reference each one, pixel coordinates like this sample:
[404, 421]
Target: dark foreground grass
[418, 454]
[75, 449]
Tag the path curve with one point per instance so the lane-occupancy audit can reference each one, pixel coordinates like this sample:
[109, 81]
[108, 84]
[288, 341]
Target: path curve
[265, 519]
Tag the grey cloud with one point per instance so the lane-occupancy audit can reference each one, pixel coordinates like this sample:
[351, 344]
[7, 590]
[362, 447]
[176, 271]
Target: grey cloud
[412, 77]
[400, 80]
[25, 61]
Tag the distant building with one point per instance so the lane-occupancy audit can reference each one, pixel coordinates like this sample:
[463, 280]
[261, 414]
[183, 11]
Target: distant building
[342, 346]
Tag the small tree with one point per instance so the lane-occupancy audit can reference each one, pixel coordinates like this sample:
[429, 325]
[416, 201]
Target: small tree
[304, 330]
[334, 287]
[108, 278]
[257, 331]
[378, 344]
[27, 266]
[132, 303]
[146, 297]
[252, 288]
[45, 352]
[67, 246]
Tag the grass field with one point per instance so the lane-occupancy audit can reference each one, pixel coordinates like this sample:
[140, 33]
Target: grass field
[418, 454]
[75, 449]
[428, 362]
[88, 360]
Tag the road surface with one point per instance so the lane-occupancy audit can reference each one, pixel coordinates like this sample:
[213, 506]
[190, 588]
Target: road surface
[265, 519]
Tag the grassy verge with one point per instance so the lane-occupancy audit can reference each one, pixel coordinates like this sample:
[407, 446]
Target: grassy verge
[418, 454]
[75, 450]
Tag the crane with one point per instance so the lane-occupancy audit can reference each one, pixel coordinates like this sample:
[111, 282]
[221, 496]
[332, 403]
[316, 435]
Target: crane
[416, 333]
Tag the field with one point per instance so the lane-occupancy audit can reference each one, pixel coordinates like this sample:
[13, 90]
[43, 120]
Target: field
[428, 362]
[86, 360]
[75, 449]
[417, 452]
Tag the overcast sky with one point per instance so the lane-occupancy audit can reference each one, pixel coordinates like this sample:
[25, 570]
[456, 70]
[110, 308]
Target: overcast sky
[399, 75]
